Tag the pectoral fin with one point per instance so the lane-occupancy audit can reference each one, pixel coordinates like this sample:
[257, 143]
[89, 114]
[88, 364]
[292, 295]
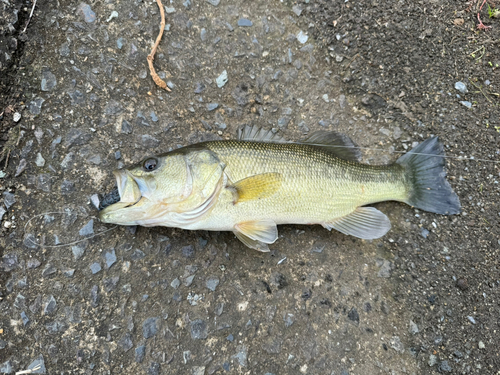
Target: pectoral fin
[365, 222]
[256, 187]
[257, 234]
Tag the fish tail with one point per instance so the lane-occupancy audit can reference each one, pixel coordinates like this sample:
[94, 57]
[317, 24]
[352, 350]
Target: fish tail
[429, 189]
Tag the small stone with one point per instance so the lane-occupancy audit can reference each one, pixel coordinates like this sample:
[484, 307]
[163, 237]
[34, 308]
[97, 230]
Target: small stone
[35, 106]
[69, 272]
[125, 342]
[462, 283]
[175, 283]
[353, 315]
[301, 37]
[413, 327]
[297, 10]
[95, 268]
[339, 58]
[222, 79]
[25, 318]
[120, 42]
[188, 280]
[67, 187]
[244, 22]
[212, 283]
[169, 10]
[78, 250]
[199, 87]
[16, 117]
[187, 251]
[241, 355]
[48, 80]
[50, 305]
[2, 212]
[8, 199]
[424, 232]
[461, 87]
[6, 367]
[40, 161]
[9, 262]
[481, 345]
[49, 270]
[37, 363]
[230, 338]
[126, 127]
[110, 257]
[140, 352]
[86, 12]
[150, 327]
[466, 104]
[397, 345]
[88, 229]
[137, 254]
[471, 319]
[432, 360]
[212, 106]
[444, 367]
[213, 2]
[289, 319]
[33, 263]
[199, 329]
[94, 296]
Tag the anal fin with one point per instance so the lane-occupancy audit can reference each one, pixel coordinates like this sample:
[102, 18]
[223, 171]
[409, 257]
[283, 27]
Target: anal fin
[365, 222]
[257, 234]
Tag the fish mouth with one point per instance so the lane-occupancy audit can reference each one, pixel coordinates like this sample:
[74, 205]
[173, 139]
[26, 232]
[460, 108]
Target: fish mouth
[127, 210]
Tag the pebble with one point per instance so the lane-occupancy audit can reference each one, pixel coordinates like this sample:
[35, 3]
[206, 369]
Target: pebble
[432, 360]
[110, 257]
[8, 199]
[471, 319]
[213, 2]
[444, 367]
[199, 329]
[150, 327]
[86, 11]
[302, 38]
[48, 80]
[462, 283]
[481, 345]
[297, 10]
[50, 305]
[35, 106]
[25, 318]
[244, 22]
[212, 106]
[140, 352]
[396, 344]
[2, 212]
[353, 315]
[466, 103]
[289, 319]
[222, 79]
[125, 342]
[461, 87]
[212, 283]
[114, 14]
[241, 355]
[88, 229]
[120, 42]
[16, 117]
[78, 250]
[424, 232]
[95, 268]
[413, 327]
[40, 161]
[175, 283]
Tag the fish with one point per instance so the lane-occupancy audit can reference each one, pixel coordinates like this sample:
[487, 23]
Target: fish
[258, 181]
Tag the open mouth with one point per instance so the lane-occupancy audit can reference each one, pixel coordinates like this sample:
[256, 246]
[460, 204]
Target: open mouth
[126, 195]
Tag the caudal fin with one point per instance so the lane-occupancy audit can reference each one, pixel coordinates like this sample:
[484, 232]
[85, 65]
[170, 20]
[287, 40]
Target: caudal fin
[425, 170]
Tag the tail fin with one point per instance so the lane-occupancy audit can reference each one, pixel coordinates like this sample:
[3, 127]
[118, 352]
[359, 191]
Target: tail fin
[430, 191]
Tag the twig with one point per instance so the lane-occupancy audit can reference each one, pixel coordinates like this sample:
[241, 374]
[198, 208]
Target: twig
[31, 15]
[481, 90]
[30, 371]
[159, 82]
[350, 62]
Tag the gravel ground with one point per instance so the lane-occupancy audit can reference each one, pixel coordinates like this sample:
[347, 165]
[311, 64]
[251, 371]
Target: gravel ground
[423, 299]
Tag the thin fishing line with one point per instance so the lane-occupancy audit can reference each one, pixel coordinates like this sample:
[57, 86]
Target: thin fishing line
[65, 244]
[463, 158]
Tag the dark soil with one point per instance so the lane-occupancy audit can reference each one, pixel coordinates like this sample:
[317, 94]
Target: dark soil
[402, 60]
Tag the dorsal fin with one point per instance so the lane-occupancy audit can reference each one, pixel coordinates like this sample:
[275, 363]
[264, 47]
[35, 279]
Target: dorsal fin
[337, 143]
[257, 134]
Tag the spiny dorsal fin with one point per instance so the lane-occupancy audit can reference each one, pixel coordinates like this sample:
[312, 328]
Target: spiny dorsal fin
[257, 234]
[256, 187]
[257, 134]
[337, 143]
[365, 222]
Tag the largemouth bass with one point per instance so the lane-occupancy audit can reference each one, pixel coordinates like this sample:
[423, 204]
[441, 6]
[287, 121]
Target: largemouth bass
[251, 185]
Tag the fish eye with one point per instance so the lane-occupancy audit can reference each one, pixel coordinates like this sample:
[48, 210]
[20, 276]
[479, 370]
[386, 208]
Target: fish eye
[150, 164]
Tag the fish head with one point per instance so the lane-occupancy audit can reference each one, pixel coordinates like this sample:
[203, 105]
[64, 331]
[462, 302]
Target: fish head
[173, 189]
[148, 188]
